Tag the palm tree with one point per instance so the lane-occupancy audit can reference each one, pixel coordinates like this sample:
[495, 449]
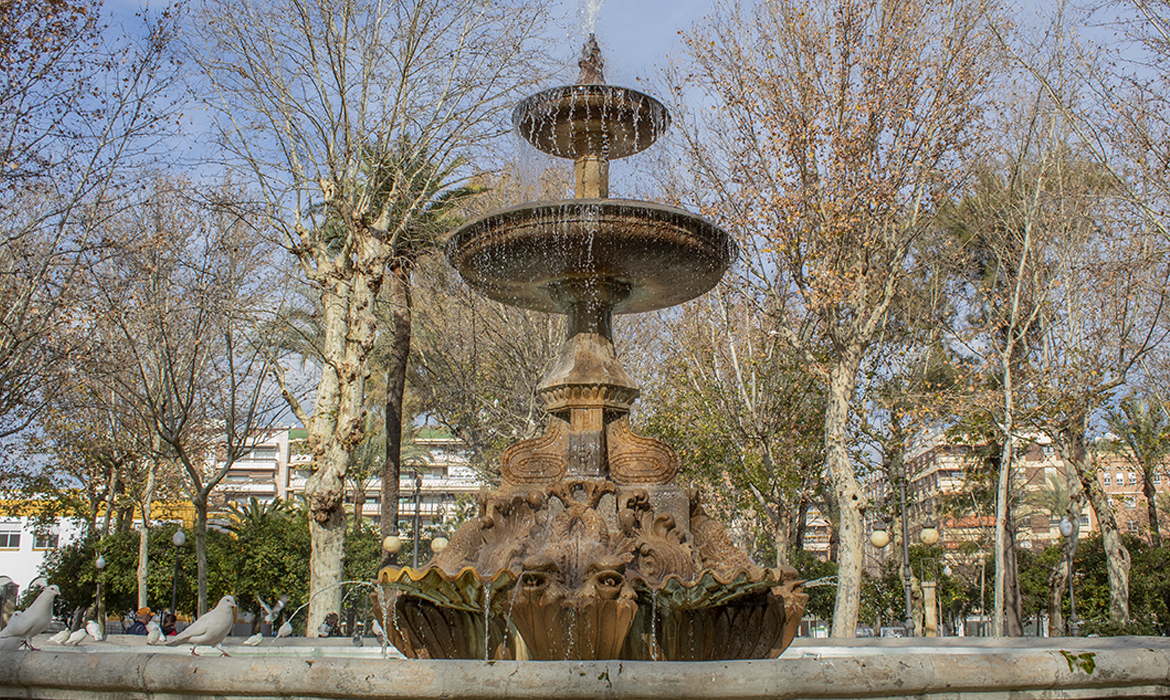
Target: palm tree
[429, 205]
[1145, 430]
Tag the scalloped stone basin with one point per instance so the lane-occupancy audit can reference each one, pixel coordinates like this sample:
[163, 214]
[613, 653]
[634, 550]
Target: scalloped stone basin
[603, 120]
[663, 255]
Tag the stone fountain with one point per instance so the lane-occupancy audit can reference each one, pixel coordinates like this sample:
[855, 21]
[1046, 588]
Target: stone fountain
[589, 550]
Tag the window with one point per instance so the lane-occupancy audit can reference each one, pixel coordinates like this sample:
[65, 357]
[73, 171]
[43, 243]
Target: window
[1158, 478]
[1105, 479]
[9, 537]
[1120, 480]
[1084, 520]
[1132, 479]
[46, 540]
[1131, 526]
[261, 453]
[1130, 502]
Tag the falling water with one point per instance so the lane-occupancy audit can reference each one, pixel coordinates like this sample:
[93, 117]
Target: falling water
[653, 625]
[487, 611]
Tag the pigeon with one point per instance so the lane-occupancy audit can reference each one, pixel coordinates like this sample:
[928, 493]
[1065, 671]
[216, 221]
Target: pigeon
[94, 630]
[154, 633]
[271, 612]
[30, 622]
[211, 629]
[285, 630]
[324, 629]
[254, 640]
[379, 633]
[76, 637]
[60, 637]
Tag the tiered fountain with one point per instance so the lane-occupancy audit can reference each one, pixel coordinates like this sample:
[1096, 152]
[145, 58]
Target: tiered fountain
[589, 550]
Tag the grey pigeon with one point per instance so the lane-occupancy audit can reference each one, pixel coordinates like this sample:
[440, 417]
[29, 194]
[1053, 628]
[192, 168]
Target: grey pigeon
[32, 620]
[379, 633]
[285, 629]
[211, 629]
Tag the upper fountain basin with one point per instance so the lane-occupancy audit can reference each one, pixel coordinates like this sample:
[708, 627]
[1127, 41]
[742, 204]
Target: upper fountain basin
[600, 120]
[522, 255]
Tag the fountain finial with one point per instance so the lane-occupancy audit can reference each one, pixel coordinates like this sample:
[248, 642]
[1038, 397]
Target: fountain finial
[592, 66]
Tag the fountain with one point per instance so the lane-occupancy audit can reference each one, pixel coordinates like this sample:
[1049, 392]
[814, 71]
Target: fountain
[589, 550]
[588, 553]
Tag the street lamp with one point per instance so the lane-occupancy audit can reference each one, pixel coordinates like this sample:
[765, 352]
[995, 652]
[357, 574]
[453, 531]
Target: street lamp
[99, 614]
[928, 535]
[439, 544]
[417, 514]
[1066, 531]
[178, 539]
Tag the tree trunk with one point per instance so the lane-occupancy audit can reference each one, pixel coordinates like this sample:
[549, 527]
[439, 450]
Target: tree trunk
[335, 428]
[1057, 582]
[359, 505]
[1012, 608]
[1003, 493]
[395, 392]
[144, 535]
[1117, 559]
[801, 522]
[111, 490]
[1152, 508]
[780, 540]
[851, 501]
[201, 551]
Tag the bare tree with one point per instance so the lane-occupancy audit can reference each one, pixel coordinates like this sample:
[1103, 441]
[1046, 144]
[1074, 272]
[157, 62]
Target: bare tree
[177, 304]
[80, 107]
[837, 132]
[335, 110]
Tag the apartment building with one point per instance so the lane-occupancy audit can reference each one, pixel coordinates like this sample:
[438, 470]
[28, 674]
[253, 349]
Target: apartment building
[279, 467]
[938, 493]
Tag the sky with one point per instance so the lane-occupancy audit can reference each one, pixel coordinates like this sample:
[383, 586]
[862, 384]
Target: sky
[635, 35]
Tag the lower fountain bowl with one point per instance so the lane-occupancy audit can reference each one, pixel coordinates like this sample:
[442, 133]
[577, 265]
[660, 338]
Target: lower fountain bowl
[521, 256]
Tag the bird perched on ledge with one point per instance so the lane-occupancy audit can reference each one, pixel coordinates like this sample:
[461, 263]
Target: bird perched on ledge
[211, 629]
[30, 622]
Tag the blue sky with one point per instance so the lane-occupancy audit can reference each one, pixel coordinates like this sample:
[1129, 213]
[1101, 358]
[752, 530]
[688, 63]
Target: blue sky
[635, 35]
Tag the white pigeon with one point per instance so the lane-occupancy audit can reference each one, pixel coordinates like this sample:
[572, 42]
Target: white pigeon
[271, 612]
[94, 630]
[31, 621]
[285, 629]
[211, 629]
[254, 640]
[60, 637]
[154, 633]
[379, 633]
[76, 637]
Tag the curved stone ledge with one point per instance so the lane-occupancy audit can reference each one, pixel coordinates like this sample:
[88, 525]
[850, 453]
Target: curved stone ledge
[1034, 668]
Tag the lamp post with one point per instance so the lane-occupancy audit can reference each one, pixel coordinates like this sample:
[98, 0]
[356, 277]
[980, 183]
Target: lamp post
[439, 544]
[928, 535]
[99, 613]
[1066, 531]
[178, 539]
[417, 514]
